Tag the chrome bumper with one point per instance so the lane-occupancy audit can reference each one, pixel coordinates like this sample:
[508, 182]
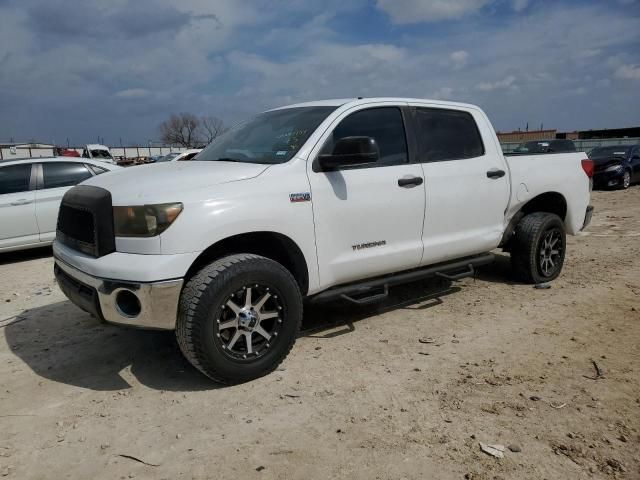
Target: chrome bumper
[158, 301]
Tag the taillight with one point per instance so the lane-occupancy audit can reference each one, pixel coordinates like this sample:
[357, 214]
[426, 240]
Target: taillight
[587, 166]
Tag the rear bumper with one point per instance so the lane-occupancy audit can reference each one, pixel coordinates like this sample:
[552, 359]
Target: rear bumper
[111, 300]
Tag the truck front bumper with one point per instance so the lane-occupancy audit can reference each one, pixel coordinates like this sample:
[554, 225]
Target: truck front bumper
[150, 305]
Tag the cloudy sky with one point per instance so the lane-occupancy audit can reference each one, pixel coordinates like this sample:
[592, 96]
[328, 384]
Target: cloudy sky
[80, 69]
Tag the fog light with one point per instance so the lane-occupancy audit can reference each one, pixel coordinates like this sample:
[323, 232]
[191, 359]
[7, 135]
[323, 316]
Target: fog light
[128, 304]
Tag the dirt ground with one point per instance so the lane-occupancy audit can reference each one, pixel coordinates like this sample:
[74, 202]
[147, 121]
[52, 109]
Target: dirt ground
[360, 396]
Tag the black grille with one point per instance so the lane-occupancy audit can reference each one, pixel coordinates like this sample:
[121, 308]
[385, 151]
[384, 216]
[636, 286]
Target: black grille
[85, 220]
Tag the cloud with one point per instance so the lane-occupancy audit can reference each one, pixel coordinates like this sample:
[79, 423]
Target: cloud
[232, 59]
[520, 5]
[505, 83]
[459, 58]
[628, 72]
[416, 11]
[443, 93]
[132, 93]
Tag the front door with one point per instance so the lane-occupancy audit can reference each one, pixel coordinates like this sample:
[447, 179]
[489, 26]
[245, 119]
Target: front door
[17, 206]
[368, 219]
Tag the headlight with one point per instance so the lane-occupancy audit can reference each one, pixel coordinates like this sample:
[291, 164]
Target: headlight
[144, 220]
[613, 168]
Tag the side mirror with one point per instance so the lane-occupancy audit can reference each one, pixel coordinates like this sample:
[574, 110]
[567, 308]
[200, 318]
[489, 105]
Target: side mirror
[350, 152]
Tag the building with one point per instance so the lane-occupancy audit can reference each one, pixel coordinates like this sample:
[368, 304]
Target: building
[525, 136]
[630, 132]
[11, 150]
[518, 136]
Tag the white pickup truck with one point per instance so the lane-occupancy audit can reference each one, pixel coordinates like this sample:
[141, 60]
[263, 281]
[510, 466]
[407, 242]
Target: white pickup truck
[324, 200]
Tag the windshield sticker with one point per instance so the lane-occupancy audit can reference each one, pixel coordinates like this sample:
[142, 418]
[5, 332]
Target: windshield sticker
[618, 153]
[280, 153]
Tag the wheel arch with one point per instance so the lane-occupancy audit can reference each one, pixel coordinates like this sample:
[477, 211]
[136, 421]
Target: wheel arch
[550, 202]
[273, 245]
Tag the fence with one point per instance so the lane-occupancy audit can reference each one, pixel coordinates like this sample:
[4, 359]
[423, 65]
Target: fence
[584, 145]
[8, 153]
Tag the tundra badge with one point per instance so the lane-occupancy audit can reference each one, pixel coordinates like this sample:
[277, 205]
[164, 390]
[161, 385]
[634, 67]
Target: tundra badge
[300, 197]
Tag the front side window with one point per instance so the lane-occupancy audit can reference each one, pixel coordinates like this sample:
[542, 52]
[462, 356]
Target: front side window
[15, 178]
[63, 174]
[268, 138]
[384, 125]
[447, 135]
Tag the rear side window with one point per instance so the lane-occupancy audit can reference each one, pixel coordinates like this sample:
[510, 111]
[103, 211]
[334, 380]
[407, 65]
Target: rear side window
[447, 135]
[384, 124]
[63, 174]
[15, 178]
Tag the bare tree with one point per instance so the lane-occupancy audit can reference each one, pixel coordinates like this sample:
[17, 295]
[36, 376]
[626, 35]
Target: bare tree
[181, 129]
[212, 127]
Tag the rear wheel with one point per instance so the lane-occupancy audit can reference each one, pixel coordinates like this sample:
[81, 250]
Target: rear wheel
[538, 248]
[239, 318]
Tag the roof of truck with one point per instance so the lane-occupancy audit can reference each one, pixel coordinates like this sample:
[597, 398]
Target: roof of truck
[337, 102]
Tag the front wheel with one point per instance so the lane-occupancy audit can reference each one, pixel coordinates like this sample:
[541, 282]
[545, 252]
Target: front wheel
[626, 180]
[539, 245]
[239, 317]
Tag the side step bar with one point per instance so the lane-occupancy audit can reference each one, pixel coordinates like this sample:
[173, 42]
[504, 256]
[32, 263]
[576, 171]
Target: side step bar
[361, 293]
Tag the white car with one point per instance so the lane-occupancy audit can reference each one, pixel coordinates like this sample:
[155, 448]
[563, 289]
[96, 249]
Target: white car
[180, 156]
[30, 194]
[95, 151]
[338, 199]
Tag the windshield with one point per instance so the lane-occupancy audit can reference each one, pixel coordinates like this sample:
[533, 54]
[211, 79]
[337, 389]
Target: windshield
[168, 157]
[615, 151]
[100, 154]
[270, 137]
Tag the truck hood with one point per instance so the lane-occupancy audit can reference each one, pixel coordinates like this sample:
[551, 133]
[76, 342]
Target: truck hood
[164, 182]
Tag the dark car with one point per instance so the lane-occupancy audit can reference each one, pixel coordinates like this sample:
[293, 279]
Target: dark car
[616, 166]
[546, 146]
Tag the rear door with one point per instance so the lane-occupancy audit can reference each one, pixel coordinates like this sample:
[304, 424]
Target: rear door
[367, 222]
[54, 180]
[17, 205]
[466, 182]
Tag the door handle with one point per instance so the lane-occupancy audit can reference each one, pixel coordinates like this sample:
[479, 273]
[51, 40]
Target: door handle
[495, 173]
[410, 182]
[22, 201]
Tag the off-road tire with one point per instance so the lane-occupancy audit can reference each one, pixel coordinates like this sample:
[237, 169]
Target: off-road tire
[526, 248]
[203, 297]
